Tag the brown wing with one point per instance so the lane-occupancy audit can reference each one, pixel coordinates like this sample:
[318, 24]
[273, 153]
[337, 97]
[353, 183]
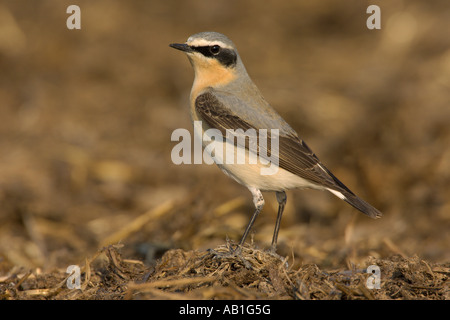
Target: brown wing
[294, 155]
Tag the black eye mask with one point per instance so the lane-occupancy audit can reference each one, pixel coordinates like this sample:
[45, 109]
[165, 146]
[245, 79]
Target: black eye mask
[227, 57]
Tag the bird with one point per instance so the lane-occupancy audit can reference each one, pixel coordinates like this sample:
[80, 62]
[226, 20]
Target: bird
[223, 97]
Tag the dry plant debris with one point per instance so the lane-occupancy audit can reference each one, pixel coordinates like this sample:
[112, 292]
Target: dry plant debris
[220, 274]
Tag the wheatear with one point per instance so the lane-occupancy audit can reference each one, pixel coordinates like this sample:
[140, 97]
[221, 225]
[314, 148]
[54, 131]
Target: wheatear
[224, 97]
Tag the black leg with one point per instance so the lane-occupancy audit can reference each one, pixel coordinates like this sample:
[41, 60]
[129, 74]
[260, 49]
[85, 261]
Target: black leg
[281, 198]
[258, 201]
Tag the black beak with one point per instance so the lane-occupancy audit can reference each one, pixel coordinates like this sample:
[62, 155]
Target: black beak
[181, 46]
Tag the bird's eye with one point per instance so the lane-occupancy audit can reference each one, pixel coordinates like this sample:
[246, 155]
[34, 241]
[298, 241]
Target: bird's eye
[215, 49]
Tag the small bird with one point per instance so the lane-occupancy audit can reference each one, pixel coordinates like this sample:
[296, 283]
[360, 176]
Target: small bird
[223, 97]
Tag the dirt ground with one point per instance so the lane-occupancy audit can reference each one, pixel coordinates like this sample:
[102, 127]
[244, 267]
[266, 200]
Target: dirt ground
[86, 177]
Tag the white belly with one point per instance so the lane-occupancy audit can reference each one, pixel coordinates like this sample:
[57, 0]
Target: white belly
[260, 174]
[247, 172]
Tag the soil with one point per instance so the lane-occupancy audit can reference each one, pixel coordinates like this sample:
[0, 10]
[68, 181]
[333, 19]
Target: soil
[87, 184]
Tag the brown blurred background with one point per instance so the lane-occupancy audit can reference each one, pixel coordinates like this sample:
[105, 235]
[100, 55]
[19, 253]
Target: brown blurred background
[86, 118]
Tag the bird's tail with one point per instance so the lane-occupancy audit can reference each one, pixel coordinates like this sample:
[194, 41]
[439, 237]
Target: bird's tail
[357, 202]
[341, 191]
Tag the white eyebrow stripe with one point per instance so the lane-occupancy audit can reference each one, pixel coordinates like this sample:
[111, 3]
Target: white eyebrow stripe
[206, 43]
